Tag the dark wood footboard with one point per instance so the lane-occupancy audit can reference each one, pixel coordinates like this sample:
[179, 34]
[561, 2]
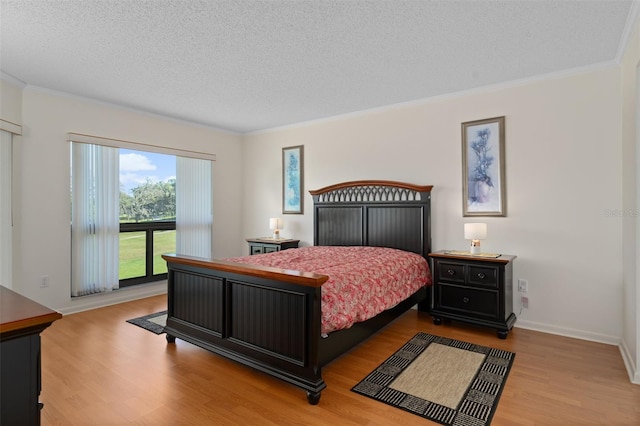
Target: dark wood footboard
[266, 318]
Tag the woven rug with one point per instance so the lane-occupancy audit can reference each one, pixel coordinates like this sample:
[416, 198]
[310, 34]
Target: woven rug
[154, 322]
[444, 380]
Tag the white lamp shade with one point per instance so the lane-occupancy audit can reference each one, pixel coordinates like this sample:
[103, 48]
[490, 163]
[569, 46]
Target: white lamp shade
[276, 223]
[475, 231]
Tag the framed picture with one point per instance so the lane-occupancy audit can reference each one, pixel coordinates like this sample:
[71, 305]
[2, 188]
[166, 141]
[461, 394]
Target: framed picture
[483, 176]
[293, 179]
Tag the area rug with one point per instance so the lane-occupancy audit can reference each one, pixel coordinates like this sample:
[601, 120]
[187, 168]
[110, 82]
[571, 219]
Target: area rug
[154, 322]
[444, 380]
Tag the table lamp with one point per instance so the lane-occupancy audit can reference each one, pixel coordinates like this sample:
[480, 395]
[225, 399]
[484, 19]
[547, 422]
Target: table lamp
[475, 232]
[276, 224]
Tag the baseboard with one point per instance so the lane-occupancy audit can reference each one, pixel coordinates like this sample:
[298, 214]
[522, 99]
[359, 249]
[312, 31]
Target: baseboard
[629, 363]
[127, 294]
[568, 332]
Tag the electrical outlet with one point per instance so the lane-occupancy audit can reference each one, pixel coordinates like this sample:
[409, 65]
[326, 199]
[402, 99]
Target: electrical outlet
[523, 286]
[44, 281]
[524, 301]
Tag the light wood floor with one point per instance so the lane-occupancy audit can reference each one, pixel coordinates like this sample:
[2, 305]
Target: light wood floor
[99, 370]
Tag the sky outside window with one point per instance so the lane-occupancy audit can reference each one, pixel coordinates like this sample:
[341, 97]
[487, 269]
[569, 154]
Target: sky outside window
[138, 167]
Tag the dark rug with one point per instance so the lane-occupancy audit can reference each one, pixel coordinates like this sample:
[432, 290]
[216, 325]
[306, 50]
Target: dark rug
[154, 322]
[444, 380]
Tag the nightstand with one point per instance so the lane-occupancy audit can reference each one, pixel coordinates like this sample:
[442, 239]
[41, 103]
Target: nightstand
[269, 245]
[473, 289]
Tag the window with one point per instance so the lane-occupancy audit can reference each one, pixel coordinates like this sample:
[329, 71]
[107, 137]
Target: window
[147, 215]
[129, 206]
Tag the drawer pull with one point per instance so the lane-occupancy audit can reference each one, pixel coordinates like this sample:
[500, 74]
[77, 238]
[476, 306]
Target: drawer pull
[465, 299]
[451, 272]
[481, 275]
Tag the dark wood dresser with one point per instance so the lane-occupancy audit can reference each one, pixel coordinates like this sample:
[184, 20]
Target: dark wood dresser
[268, 245]
[21, 322]
[474, 289]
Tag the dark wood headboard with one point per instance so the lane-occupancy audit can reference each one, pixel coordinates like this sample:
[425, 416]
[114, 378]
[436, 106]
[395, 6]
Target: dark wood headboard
[373, 213]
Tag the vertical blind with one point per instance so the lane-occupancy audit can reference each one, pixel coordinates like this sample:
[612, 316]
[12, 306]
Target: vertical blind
[194, 214]
[95, 221]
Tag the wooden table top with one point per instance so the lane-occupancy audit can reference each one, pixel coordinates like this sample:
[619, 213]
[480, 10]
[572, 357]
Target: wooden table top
[271, 240]
[18, 313]
[452, 254]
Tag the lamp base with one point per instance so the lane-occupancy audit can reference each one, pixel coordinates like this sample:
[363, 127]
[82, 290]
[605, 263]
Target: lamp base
[475, 247]
[276, 234]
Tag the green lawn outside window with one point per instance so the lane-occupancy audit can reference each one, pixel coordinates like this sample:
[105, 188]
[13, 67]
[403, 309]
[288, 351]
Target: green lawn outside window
[132, 252]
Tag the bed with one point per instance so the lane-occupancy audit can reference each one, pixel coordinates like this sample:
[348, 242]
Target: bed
[270, 318]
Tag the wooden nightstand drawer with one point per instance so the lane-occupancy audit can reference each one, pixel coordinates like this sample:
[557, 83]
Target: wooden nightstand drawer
[483, 276]
[270, 245]
[470, 301]
[451, 272]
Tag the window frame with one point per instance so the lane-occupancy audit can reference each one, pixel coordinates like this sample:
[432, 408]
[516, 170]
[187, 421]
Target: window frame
[148, 228]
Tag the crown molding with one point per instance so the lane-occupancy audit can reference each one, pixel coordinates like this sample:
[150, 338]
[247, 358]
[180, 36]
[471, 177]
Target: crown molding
[447, 96]
[11, 79]
[34, 88]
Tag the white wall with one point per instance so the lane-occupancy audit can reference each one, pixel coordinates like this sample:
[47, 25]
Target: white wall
[563, 174]
[42, 213]
[11, 101]
[630, 70]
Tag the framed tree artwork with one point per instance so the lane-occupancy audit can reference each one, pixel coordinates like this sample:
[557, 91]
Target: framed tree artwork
[483, 168]
[292, 179]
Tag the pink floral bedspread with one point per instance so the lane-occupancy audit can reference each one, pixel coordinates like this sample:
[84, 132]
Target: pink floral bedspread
[363, 281]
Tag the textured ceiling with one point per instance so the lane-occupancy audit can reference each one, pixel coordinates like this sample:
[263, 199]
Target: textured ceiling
[247, 65]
